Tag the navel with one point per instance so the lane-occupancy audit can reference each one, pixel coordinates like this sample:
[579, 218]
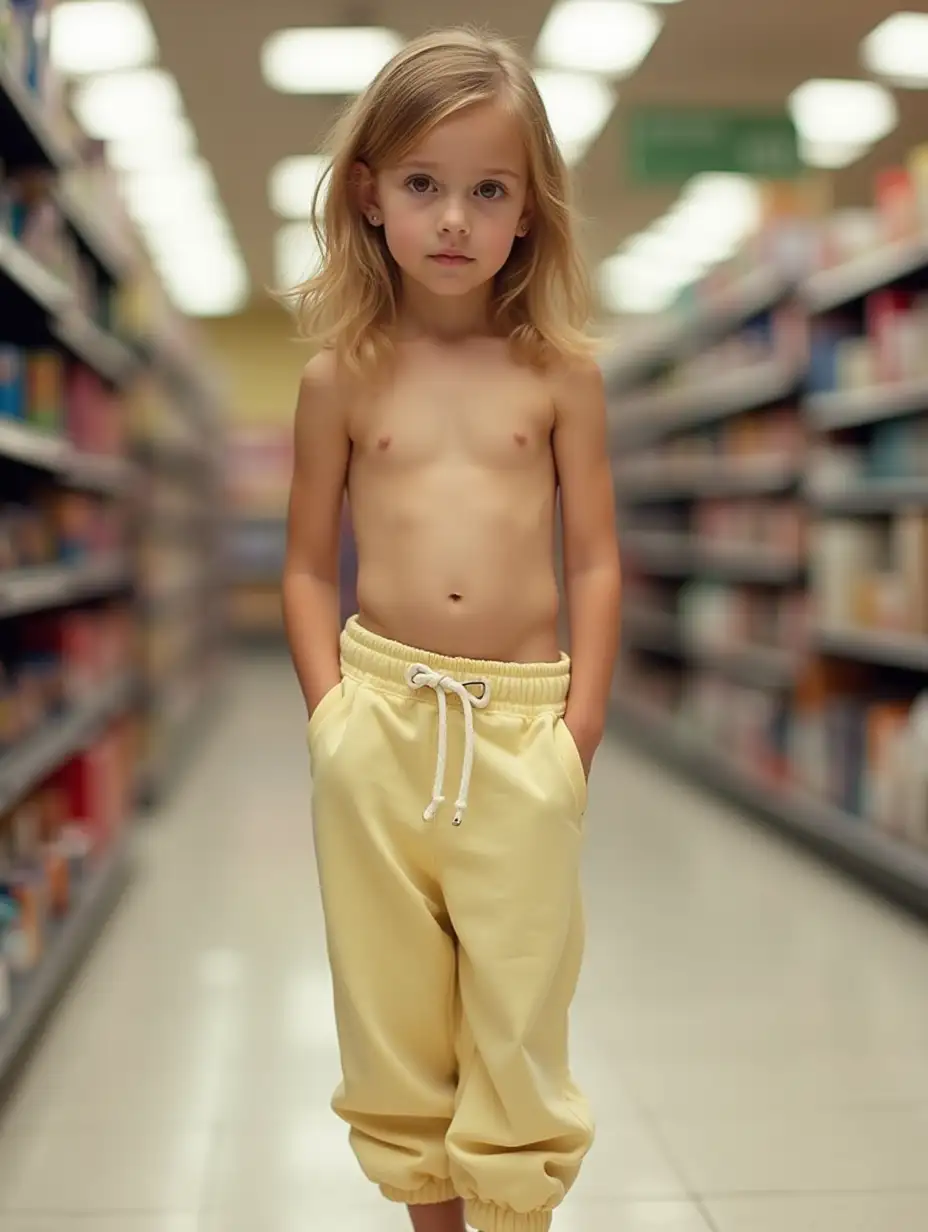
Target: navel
[521, 438]
[383, 442]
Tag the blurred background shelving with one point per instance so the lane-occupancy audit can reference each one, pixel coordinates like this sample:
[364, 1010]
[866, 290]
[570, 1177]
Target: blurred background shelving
[95, 370]
[771, 472]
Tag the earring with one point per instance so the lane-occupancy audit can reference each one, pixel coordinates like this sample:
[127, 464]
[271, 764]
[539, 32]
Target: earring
[522, 230]
[374, 219]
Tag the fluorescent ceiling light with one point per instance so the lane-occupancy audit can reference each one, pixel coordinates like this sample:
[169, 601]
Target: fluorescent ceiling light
[158, 195]
[293, 183]
[204, 232]
[216, 286]
[843, 112]
[713, 216]
[327, 60]
[898, 50]
[663, 248]
[578, 106]
[173, 141]
[830, 155]
[600, 36]
[628, 285]
[100, 36]
[130, 104]
[296, 255]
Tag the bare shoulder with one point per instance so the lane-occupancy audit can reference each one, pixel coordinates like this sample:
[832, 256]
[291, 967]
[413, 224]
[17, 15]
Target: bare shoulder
[322, 386]
[577, 389]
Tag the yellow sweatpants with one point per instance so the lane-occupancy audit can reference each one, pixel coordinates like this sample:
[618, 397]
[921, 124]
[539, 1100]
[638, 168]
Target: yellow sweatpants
[447, 798]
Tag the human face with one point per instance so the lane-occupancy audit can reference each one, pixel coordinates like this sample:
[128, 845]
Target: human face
[452, 206]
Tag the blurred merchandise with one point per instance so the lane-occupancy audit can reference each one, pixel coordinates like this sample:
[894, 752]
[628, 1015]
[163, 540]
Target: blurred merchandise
[770, 452]
[98, 620]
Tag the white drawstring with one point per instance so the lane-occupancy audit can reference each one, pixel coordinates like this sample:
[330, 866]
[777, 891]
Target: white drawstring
[418, 676]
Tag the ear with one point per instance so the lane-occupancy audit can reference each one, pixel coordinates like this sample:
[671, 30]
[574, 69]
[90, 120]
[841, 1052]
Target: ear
[366, 193]
[525, 222]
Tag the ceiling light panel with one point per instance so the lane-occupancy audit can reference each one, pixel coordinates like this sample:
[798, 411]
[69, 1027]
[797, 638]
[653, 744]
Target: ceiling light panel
[831, 155]
[127, 104]
[578, 107]
[710, 221]
[207, 285]
[611, 37]
[898, 50]
[173, 141]
[101, 36]
[178, 211]
[843, 112]
[327, 60]
[630, 286]
[292, 185]
[296, 255]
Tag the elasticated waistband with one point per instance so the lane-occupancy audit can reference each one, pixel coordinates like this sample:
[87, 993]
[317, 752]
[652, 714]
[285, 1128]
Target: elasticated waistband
[526, 687]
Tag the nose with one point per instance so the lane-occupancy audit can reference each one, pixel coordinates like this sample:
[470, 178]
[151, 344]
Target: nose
[454, 218]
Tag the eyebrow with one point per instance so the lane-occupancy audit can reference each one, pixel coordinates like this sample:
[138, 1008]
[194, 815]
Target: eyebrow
[500, 172]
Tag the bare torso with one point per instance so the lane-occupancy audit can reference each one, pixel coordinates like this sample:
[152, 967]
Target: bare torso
[452, 486]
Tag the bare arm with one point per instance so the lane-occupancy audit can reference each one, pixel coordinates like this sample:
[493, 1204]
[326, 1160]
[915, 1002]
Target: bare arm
[310, 584]
[591, 556]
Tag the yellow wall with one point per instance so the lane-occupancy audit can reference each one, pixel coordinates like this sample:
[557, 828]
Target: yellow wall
[261, 361]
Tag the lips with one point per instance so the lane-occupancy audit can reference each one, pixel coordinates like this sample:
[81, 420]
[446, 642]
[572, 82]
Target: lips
[451, 258]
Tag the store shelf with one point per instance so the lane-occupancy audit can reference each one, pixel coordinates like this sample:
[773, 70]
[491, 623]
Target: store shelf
[190, 714]
[92, 237]
[763, 666]
[106, 355]
[180, 599]
[41, 754]
[47, 451]
[854, 408]
[677, 334]
[43, 310]
[664, 412]
[896, 264]
[30, 278]
[35, 994]
[175, 457]
[867, 496]
[255, 548]
[26, 139]
[652, 630]
[898, 868]
[890, 649]
[21, 443]
[645, 483]
[49, 586]
[673, 555]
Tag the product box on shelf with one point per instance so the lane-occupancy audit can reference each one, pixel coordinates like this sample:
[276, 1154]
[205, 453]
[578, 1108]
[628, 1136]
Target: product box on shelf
[97, 787]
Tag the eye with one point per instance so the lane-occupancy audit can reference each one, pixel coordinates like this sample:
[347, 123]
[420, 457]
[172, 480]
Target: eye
[419, 183]
[491, 190]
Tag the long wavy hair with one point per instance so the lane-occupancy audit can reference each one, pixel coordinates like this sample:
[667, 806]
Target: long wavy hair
[541, 295]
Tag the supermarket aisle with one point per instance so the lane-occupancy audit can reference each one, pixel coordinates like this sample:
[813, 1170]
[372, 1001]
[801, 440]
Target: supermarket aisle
[751, 1028]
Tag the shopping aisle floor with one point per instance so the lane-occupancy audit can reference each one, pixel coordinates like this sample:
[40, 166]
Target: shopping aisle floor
[752, 1029]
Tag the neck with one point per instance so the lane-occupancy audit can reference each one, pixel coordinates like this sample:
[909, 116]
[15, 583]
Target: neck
[447, 317]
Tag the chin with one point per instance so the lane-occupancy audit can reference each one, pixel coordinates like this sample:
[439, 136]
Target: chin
[448, 282]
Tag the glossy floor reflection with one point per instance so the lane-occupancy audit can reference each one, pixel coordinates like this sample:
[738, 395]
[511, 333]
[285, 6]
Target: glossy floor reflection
[752, 1029]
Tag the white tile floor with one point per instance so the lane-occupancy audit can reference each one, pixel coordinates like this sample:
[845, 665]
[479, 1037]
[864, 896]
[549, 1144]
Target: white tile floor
[754, 1030]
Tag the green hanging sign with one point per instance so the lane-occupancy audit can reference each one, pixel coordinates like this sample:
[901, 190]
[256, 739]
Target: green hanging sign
[669, 145]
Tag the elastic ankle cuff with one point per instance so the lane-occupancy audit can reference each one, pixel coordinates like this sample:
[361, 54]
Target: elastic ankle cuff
[430, 1193]
[487, 1218]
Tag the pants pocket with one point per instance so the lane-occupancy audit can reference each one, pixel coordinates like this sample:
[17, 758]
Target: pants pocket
[572, 762]
[325, 709]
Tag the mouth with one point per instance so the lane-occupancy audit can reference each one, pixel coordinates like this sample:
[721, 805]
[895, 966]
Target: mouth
[451, 258]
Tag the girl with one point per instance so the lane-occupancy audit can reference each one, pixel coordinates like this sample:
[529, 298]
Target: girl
[452, 395]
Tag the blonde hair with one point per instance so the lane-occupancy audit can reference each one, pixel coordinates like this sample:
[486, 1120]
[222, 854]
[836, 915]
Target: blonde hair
[541, 294]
